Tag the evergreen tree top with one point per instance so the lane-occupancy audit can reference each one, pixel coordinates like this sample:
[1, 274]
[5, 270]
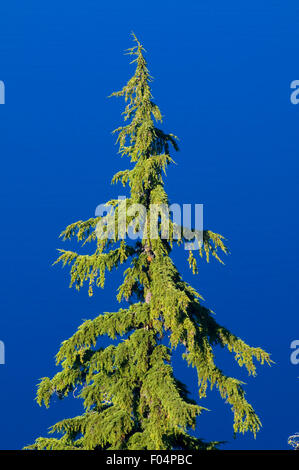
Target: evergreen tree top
[131, 397]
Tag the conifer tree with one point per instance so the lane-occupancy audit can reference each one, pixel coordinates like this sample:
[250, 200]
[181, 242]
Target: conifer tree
[131, 397]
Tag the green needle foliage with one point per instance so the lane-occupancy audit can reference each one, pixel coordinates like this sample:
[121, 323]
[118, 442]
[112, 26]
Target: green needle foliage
[131, 398]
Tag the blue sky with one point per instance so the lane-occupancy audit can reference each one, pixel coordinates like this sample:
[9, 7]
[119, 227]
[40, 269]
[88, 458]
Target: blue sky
[222, 74]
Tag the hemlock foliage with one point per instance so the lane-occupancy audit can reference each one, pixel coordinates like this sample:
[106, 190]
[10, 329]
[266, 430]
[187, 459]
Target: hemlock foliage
[131, 398]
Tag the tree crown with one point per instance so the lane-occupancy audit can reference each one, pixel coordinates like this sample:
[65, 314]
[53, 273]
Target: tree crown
[132, 399]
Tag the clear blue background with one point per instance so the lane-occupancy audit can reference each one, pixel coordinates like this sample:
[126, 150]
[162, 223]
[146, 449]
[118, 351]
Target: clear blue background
[222, 80]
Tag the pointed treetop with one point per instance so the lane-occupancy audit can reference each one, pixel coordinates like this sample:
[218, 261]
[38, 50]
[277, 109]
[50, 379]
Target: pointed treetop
[135, 50]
